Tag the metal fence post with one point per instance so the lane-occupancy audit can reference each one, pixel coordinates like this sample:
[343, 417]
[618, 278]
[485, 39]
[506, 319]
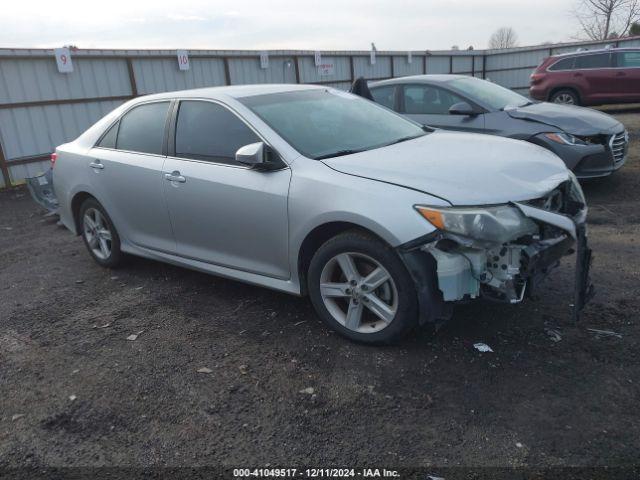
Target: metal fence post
[227, 72]
[296, 65]
[4, 168]
[132, 78]
[353, 71]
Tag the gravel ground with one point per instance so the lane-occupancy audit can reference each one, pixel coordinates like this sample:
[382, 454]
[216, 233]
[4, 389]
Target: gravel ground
[76, 392]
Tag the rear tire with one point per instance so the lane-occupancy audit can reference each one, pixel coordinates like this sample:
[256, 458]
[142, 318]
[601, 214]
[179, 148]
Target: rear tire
[565, 97]
[361, 289]
[99, 234]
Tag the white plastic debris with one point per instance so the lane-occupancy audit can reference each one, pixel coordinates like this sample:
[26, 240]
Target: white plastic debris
[134, 336]
[204, 370]
[519, 445]
[482, 347]
[72, 397]
[553, 334]
[307, 391]
[606, 333]
[17, 416]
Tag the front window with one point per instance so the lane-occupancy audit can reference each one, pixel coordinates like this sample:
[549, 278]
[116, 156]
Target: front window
[629, 59]
[428, 100]
[327, 123]
[487, 93]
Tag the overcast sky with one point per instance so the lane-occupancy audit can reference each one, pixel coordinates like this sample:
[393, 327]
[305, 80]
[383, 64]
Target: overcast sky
[280, 24]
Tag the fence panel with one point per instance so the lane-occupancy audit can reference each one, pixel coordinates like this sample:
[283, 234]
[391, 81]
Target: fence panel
[41, 108]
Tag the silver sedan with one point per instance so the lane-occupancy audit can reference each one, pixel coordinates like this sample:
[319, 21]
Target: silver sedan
[310, 190]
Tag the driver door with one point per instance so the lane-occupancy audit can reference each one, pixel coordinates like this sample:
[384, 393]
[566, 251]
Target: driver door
[429, 105]
[222, 212]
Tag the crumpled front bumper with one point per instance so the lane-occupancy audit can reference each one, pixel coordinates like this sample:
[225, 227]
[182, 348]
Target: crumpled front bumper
[449, 270]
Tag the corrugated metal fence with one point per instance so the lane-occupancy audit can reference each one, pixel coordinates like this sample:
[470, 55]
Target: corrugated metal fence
[41, 108]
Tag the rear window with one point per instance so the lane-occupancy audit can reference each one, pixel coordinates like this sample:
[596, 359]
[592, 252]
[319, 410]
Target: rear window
[601, 60]
[564, 64]
[142, 128]
[385, 95]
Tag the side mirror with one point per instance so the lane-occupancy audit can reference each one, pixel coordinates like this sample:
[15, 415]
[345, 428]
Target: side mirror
[462, 108]
[252, 154]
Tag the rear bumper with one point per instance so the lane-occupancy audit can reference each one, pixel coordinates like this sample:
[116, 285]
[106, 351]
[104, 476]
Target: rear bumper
[537, 92]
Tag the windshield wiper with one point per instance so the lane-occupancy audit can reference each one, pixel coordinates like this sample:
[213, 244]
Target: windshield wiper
[404, 139]
[339, 153]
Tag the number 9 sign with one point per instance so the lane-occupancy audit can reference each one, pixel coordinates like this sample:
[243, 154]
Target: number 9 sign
[63, 60]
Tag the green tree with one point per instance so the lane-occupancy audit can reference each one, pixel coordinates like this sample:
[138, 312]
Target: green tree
[634, 29]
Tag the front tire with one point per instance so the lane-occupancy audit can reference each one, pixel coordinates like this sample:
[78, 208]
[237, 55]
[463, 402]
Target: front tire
[99, 235]
[565, 97]
[361, 289]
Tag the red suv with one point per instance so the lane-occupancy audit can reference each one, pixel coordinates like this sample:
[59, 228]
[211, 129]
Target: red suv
[592, 77]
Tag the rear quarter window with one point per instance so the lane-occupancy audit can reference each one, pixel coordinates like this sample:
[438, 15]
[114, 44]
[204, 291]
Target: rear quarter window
[564, 64]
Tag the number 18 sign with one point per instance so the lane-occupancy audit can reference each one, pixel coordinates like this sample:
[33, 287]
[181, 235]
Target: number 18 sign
[63, 60]
[183, 59]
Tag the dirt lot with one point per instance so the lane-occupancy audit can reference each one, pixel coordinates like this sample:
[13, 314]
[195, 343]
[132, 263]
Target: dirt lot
[88, 396]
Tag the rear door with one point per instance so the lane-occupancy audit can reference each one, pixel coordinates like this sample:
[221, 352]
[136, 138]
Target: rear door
[429, 105]
[596, 77]
[628, 74]
[223, 212]
[127, 165]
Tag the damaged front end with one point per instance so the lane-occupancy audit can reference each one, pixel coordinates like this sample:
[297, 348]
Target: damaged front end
[503, 252]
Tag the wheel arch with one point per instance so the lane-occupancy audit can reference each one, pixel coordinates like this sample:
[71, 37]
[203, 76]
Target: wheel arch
[76, 202]
[317, 237]
[571, 88]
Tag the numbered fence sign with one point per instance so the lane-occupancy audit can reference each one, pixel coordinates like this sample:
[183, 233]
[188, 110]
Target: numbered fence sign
[317, 57]
[409, 57]
[373, 57]
[264, 60]
[326, 69]
[183, 60]
[63, 60]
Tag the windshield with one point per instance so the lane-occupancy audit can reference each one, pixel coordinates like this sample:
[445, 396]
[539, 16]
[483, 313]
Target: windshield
[328, 123]
[488, 93]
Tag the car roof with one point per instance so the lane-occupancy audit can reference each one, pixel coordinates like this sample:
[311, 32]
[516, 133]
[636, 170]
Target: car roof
[233, 91]
[598, 50]
[427, 78]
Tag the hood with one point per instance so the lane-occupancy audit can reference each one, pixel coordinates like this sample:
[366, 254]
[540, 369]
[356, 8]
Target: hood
[462, 168]
[568, 118]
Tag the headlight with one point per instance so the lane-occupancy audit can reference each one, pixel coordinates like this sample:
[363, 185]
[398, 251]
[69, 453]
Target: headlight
[564, 138]
[497, 224]
[575, 192]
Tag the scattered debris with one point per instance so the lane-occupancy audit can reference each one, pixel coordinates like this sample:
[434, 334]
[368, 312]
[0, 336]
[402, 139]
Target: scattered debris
[138, 288]
[554, 334]
[7, 228]
[482, 347]
[134, 336]
[79, 281]
[604, 333]
[433, 477]
[75, 371]
[308, 391]
[519, 445]
[114, 278]
[102, 326]
[299, 323]
[243, 369]
[17, 416]
[72, 397]
[204, 370]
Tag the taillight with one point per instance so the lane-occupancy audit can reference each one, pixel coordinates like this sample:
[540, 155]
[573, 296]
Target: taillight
[536, 77]
[54, 157]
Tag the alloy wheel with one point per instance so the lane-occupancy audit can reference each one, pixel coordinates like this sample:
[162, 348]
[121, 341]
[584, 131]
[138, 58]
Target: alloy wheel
[97, 233]
[359, 292]
[564, 98]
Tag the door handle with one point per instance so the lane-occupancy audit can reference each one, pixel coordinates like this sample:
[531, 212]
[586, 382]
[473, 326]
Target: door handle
[621, 74]
[96, 165]
[175, 177]
[577, 75]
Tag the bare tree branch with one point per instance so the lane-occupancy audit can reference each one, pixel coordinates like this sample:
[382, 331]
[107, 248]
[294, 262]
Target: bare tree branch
[602, 19]
[504, 37]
